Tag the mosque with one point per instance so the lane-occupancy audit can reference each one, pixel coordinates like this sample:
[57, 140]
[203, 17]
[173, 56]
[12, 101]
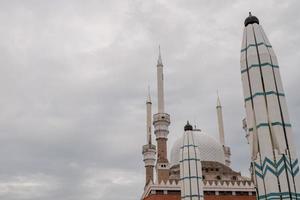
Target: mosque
[200, 166]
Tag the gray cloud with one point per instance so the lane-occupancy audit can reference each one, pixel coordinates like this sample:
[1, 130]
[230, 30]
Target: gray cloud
[73, 83]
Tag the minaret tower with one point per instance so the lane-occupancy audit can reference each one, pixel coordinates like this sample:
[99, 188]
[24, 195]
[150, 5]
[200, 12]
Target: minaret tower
[226, 149]
[220, 121]
[274, 161]
[149, 150]
[161, 122]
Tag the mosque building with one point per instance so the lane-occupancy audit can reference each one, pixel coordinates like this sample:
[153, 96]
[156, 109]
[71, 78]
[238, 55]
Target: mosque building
[200, 166]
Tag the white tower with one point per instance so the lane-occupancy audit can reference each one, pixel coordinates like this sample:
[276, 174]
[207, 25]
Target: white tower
[190, 167]
[220, 121]
[149, 150]
[274, 162]
[161, 122]
[160, 84]
[226, 149]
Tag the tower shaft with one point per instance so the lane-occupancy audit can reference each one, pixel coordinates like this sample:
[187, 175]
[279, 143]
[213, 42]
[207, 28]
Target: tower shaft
[149, 119]
[190, 167]
[160, 86]
[161, 122]
[220, 122]
[149, 150]
[226, 149]
[274, 158]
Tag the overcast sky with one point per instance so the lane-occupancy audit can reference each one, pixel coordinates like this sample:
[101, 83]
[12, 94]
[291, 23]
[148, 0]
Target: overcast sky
[74, 76]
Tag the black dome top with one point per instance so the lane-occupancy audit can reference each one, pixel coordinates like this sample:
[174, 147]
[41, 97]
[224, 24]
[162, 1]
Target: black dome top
[188, 127]
[251, 20]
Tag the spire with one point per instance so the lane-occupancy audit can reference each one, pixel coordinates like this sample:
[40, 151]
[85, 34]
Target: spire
[160, 84]
[148, 96]
[149, 117]
[218, 100]
[220, 121]
[159, 61]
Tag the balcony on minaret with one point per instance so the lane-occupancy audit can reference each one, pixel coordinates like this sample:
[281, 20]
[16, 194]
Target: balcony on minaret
[149, 152]
[161, 121]
[148, 147]
[161, 117]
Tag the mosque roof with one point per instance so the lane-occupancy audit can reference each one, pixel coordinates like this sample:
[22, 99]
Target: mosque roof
[210, 149]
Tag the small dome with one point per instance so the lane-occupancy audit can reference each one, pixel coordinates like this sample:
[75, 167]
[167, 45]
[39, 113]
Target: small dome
[251, 19]
[209, 148]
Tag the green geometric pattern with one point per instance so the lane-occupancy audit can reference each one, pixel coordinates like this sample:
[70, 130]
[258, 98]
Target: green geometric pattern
[261, 65]
[273, 124]
[279, 195]
[263, 94]
[253, 45]
[271, 167]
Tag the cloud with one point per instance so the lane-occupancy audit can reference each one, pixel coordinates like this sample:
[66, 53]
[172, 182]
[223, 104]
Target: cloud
[73, 83]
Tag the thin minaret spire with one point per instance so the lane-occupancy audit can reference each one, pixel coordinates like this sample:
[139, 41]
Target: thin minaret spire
[149, 150]
[159, 60]
[160, 84]
[220, 121]
[161, 122]
[226, 149]
[149, 117]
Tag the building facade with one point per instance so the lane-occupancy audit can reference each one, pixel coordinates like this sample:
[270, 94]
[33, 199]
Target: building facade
[200, 166]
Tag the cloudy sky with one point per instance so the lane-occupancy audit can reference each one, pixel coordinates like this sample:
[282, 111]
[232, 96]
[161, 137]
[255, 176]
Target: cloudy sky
[73, 81]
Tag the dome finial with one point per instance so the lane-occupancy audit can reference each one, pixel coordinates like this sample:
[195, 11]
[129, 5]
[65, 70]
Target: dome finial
[188, 127]
[159, 61]
[218, 99]
[251, 19]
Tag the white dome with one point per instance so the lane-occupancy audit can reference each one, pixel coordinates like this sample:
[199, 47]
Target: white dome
[210, 149]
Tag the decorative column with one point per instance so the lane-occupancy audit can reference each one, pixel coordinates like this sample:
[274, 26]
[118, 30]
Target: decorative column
[274, 159]
[190, 167]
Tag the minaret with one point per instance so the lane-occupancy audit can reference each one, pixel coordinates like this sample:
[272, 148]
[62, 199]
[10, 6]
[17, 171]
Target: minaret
[274, 159]
[220, 121]
[149, 150]
[190, 167]
[161, 122]
[160, 84]
[226, 149]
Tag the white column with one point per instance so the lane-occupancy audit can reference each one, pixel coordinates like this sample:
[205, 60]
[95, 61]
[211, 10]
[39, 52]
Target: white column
[190, 167]
[274, 159]
[149, 118]
[220, 122]
[160, 85]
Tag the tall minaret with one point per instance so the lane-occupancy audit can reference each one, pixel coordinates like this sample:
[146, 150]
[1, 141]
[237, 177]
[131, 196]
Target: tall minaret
[220, 121]
[149, 150]
[274, 161]
[161, 122]
[160, 84]
[226, 149]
